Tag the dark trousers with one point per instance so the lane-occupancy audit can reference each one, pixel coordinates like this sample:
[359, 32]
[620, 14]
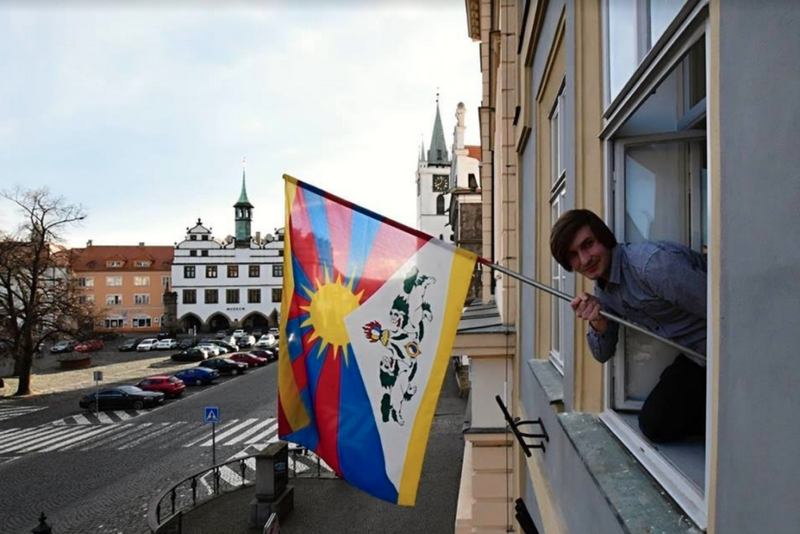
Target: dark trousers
[676, 408]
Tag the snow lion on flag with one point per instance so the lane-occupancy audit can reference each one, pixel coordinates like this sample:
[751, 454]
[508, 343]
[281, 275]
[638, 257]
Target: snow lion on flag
[398, 366]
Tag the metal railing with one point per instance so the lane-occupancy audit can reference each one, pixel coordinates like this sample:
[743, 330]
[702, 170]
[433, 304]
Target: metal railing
[233, 474]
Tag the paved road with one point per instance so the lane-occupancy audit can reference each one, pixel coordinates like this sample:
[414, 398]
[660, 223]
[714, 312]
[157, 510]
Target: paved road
[96, 475]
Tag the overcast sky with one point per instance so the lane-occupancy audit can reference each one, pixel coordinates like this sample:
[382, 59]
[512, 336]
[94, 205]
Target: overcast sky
[143, 115]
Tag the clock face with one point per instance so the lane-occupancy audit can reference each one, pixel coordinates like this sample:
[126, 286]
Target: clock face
[440, 183]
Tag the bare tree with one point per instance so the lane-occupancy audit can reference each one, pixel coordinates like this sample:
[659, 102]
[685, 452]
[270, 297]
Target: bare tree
[38, 298]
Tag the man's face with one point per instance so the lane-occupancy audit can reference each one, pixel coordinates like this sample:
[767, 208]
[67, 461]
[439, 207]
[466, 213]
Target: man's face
[396, 318]
[589, 257]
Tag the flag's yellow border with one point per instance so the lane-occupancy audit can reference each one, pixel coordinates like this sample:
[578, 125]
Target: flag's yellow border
[292, 404]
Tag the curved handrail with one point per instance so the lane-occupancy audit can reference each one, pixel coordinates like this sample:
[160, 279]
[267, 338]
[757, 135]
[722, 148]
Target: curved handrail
[154, 506]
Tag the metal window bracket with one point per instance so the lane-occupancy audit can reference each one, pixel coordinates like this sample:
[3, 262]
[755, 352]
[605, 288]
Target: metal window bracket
[514, 423]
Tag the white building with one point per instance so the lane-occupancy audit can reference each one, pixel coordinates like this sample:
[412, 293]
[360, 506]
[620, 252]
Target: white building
[230, 283]
[433, 185]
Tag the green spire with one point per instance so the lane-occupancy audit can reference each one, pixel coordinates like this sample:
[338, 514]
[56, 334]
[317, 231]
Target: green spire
[244, 214]
[438, 150]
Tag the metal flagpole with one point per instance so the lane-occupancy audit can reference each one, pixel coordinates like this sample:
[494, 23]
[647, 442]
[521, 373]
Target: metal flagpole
[609, 316]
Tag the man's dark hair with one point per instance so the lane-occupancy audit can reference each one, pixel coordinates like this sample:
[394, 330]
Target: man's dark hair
[568, 225]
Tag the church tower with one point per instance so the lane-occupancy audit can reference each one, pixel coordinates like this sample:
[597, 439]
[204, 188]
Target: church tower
[433, 184]
[244, 215]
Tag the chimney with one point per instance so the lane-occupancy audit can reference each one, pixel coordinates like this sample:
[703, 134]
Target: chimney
[258, 238]
[89, 243]
[141, 243]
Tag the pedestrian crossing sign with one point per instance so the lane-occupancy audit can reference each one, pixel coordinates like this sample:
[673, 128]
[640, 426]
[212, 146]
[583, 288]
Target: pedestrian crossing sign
[211, 414]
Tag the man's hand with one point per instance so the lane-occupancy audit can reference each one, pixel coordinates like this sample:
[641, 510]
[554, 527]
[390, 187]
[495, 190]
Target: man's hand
[587, 307]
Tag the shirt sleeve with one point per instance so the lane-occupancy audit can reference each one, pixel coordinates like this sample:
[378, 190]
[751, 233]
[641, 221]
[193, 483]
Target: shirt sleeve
[603, 345]
[678, 278]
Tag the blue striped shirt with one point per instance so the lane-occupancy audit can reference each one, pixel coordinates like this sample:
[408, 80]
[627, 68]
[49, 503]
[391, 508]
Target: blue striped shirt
[659, 285]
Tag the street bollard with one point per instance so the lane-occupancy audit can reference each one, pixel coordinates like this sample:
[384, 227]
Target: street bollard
[43, 527]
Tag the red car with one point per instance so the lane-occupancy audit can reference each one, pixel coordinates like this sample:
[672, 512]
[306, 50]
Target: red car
[170, 386]
[250, 359]
[90, 346]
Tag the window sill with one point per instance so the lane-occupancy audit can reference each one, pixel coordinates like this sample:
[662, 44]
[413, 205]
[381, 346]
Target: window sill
[636, 500]
[550, 380]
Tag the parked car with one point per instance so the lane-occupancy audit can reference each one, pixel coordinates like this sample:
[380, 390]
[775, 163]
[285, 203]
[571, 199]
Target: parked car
[187, 343]
[64, 346]
[245, 342]
[267, 341]
[256, 333]
[130, 344]
[167, 344]
[170, 386]
[121, 398]
[147, 344]
[165, 334]
[249, 358]
[238, 333]
[229, 347]
[225, 366]
[210, 348]
[222, 334]
[90, 346]
[190, 355]
[197, 376]
[264, 353]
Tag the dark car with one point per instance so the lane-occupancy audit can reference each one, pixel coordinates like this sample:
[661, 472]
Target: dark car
[197, 375]
[264, 353]
[187, 343]
[171, 386]
[225, 366]
[190, 355]
[130, 344]
[250, 359]
[63, 346]
[121, 398]
[90, 346]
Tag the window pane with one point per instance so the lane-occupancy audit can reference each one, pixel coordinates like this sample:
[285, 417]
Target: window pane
[621, 44]
[656, 193]
[661, 14]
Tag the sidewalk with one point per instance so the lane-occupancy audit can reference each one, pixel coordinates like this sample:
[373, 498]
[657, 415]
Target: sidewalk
[332, 506]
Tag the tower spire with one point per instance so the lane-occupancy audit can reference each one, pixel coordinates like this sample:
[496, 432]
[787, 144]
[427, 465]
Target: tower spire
[438, 151]
[244, 213]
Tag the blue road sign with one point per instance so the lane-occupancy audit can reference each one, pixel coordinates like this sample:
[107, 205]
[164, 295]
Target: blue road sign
[211, 414]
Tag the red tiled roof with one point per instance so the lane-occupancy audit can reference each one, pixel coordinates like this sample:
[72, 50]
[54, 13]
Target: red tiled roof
[94, 258]
[474, 151]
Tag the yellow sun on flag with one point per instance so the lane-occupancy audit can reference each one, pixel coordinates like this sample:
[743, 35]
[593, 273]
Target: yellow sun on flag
[331, 302]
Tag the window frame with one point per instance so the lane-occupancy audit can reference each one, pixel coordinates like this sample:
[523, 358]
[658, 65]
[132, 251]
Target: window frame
[232, 295]
[141, 299]
[688, 27]
[279, 292]
[212, 271]
[277, 270]
[253, 271]
[186, 293]
[114, 299]
[557, 200]
[114, 279]
[145, 281]
[233, 271]
[86, 281]
[211, 291]
[189, 271]
[166, 281]
[251, 292]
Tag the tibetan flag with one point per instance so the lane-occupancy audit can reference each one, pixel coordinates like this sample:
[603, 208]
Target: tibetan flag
[368, 319]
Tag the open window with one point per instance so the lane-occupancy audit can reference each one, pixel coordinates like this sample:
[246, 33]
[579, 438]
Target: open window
[657, 190]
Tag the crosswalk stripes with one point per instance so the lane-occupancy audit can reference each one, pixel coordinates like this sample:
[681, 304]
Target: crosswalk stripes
[10, 411]
[252, 433]
[102, 418]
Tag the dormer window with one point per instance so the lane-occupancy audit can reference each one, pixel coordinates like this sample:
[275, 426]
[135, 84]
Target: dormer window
[193, 237]
[114, 264]
[205, 237]
[141, 263]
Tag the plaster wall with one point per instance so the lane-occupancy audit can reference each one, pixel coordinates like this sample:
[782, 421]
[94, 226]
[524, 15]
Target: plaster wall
[490, 380]
[758, 397]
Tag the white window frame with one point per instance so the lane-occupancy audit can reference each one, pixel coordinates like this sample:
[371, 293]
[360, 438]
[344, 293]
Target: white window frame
[685, 31]
[141, 281]
[86, 281]
[113, 299]
[558, 194]
[115, 322]
[141, 299]
[113, 281]
[136, 322]
[166, 280]
[114, 264]
[141, 264]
